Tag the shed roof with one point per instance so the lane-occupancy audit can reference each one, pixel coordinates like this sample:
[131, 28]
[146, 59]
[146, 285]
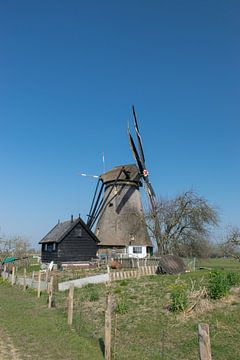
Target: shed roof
[62, 229]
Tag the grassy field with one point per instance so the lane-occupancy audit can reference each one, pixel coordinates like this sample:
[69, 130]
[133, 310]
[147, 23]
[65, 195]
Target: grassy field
[142, 325]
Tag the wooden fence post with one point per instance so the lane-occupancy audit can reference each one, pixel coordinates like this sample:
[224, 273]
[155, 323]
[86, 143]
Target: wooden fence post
[108, 326]
[46, 279]
[194, 264]
[13, 275]
[39, 284]
[204, 342]
[24, 279]
[109, 275]
[33, 274]
[50, 294]
[70, 304]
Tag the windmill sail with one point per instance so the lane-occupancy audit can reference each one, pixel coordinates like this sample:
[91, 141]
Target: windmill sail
[139, 139]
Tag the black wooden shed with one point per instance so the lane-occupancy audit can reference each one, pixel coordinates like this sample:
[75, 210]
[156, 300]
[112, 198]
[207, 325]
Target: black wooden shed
[69, 241]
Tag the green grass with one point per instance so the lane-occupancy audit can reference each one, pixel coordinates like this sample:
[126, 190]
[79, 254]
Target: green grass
[142, 325]
[218, 264]
[40, 333]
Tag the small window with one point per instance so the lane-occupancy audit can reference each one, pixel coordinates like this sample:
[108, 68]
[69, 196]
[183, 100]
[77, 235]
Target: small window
[77, 232]
[50, 248]
[137, 250]
[45, 247]
[54, 246]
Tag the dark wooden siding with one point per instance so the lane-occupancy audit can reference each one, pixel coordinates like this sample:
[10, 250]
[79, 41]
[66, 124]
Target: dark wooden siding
[49, 256]
[78, 245]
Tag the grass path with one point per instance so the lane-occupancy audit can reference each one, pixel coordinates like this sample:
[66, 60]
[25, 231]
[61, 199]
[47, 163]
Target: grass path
[7, 349]
[37, 332]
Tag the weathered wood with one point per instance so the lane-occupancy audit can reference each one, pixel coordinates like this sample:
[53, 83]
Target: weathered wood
[51, 301]
[70, 304]
[194, 264]
[39, 284]
[24, 279]
[109, 275]
[13, 275]
[77, 245]
[108, 326]
[46, 276]
[33, 275]
[204, 342]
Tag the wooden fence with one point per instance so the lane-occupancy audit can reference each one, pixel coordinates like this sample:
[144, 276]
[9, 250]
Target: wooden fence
[142, 271]
[131, 263]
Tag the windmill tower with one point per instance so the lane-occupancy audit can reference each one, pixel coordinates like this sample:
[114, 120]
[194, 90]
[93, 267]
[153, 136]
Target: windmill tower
[117, 211]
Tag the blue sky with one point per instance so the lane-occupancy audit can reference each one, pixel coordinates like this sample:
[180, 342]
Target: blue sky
[69, 73]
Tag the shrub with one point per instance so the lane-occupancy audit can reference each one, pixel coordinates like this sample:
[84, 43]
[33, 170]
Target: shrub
[123, 283]
[233, 278]
[179, 297]
[91, 293]
[218, 286]
[117, 290]
[122, 307]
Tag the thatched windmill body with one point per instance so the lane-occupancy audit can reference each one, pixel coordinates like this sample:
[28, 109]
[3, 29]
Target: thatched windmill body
[117, 211]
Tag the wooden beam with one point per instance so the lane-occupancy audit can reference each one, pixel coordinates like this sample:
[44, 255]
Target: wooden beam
[24, 279]
[13, 275]
[108, 326]
[204, 342]
[70, 304]
[50, 293]
[39, 284]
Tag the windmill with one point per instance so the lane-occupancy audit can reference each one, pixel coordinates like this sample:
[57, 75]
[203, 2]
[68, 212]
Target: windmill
[116, 210]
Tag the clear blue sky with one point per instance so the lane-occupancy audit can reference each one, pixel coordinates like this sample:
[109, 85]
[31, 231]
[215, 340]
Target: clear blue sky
[69, 73]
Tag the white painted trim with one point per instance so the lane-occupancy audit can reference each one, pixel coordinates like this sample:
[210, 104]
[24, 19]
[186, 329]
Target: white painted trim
[141, 255]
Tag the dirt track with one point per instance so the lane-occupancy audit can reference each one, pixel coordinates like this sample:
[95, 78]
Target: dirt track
[7, 349]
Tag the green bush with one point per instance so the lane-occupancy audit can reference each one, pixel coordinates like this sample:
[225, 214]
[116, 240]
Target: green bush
[117, 290]
[123, 283]
[94, 295]
[233, 278]
[122, 307]
[179, 297]
[218, 285]
[90, 292]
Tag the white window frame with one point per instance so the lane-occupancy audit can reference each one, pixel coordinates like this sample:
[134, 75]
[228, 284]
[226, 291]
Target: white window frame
[137, 250]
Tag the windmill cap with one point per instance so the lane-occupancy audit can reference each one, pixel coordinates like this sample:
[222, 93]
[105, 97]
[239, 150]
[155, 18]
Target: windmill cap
[123, 173]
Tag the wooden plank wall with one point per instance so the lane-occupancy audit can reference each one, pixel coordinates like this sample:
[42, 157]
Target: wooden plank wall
[131, 263]
[142, 271]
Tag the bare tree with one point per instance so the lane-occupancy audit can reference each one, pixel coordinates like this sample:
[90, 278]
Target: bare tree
[231, 244]
[16, 246]
[183, 223]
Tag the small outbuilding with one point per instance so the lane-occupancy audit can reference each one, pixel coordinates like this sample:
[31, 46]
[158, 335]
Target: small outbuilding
[69, 241]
